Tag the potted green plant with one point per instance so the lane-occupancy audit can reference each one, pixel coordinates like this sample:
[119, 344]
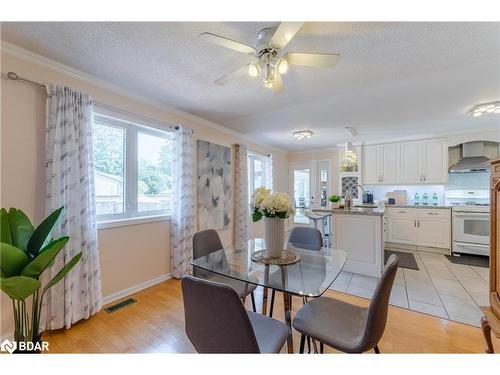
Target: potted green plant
[25, 252]
[334, 201]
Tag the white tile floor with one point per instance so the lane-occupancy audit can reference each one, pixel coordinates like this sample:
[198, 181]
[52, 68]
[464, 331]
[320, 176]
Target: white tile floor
[439, 288]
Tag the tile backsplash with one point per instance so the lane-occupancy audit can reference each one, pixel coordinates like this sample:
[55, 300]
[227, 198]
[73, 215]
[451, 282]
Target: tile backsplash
[456, 181]
[463, 181]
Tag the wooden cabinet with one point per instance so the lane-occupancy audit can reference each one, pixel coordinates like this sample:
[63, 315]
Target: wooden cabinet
[420, 227]
[416, 162]
[491, 320]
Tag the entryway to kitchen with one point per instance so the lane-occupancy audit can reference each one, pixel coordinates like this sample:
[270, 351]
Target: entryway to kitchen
[439, 287]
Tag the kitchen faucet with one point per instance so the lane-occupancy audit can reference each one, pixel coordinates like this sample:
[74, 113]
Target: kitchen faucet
[348, 196]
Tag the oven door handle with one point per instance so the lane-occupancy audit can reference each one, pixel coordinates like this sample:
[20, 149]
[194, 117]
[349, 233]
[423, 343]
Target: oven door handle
[466, 244]
[468, 215]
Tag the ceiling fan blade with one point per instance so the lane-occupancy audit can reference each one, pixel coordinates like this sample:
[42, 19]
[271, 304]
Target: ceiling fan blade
[320, 60]
[232, 76]
[284, 33]
[278, 84]
[228, 43]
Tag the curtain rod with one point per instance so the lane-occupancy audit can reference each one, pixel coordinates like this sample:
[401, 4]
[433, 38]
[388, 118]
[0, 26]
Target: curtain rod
[16, 77]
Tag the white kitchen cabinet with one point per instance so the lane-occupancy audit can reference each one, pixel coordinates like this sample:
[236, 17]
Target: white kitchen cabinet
[401, 226]
[433, 158]
[381, 164]
[370, 165]
[389, 155]
[434, 229]
[420, 227]
[410, 163]
[415, 162]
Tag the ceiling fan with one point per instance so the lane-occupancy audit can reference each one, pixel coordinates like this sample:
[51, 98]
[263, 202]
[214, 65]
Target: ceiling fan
[267, 62]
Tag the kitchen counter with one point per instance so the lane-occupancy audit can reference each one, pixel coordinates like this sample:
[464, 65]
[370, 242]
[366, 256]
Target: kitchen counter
[352, 211]
[358, 232]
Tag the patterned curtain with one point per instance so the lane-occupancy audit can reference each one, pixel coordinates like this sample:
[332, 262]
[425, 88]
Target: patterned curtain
[70, 183]
[241, 209]
[269, 172]
[183, 201]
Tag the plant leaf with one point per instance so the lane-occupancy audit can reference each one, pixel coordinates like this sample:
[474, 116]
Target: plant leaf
[19, 287]
[12, 260]
[21, 228]
[63, 272]
[44, 258]
[5, 227]
[42, 232]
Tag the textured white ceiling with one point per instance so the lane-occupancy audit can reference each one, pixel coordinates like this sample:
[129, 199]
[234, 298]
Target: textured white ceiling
[393, 79]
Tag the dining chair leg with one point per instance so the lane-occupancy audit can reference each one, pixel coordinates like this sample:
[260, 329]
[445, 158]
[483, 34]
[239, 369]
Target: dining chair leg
[308, 344]
[287, 304]
[271, 309]
[302, 340]
[254, 308]
[315, 347]
[377, 351]
[321, 347]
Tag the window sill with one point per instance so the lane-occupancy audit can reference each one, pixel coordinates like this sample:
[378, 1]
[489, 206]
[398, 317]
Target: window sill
[131, 221]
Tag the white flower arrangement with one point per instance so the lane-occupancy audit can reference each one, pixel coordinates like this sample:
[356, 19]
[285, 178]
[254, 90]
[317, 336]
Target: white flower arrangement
[265, 203]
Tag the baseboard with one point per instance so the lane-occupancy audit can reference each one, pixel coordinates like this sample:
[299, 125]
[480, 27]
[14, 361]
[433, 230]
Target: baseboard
[135, 288]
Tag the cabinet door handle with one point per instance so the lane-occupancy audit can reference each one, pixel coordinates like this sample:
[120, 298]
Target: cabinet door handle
[418, 223]
[432, 213]
[415, 223]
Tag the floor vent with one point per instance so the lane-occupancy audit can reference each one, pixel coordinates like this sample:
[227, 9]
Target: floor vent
[120, 305]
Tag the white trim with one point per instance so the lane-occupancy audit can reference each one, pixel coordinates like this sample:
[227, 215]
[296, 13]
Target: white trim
[132, 221]
[135, 288]
[78, 74]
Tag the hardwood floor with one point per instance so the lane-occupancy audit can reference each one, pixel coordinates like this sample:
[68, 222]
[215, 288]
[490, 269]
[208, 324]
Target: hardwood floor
[156, 324]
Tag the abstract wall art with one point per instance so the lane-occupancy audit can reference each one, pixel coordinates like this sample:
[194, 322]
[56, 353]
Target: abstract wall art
[214, 186]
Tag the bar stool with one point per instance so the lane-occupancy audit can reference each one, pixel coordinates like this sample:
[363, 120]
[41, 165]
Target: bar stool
[325, 223]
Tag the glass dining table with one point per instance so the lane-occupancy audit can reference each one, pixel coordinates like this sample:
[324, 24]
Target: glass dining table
[309, 277]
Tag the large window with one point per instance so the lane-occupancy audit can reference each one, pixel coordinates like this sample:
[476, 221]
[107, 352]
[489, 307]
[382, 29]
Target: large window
[132, 169]
[259, 172]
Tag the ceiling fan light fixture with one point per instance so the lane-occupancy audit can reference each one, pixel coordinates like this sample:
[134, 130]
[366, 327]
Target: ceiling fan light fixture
[301, 134]
[282, 66]
[253, 70]
[485, 109]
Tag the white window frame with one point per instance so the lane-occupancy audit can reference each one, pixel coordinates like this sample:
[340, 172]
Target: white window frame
[251, 156]
[130, 173]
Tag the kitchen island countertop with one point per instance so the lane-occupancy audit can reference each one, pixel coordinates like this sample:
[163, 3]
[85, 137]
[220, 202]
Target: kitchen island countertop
[352, 211]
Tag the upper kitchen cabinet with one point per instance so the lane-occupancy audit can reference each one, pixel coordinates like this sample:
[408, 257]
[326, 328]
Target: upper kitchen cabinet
[381, 164]
[415, 162]
[433, 157]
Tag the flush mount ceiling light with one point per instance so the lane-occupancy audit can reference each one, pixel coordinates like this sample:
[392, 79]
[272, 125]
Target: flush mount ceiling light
[485, 108]
[301, 134]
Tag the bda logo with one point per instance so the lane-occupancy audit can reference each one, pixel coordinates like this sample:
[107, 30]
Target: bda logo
[8, 346]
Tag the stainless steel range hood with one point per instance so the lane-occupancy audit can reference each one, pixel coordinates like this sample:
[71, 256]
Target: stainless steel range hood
[473, 159]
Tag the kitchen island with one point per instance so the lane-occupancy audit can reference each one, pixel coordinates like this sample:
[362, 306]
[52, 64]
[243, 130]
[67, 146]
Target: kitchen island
[358, 231]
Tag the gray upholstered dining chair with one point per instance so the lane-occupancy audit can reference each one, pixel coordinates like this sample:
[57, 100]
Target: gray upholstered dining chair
[217, 322]
[346, 327]
[208, 241]
[308, 238]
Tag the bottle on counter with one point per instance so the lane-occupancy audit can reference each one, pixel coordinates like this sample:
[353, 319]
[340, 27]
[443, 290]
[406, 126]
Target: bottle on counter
[425, 199]
[417, 199]
[434, 199]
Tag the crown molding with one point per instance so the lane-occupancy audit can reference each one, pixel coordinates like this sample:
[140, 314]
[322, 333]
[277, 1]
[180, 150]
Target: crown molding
[80, 75]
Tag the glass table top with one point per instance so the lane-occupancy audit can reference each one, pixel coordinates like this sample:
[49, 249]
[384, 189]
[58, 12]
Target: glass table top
[310, 277]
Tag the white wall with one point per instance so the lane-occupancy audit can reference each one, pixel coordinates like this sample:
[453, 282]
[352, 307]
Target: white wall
[129, 255]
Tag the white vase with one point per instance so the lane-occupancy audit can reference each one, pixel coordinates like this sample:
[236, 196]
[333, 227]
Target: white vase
[274, 235]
